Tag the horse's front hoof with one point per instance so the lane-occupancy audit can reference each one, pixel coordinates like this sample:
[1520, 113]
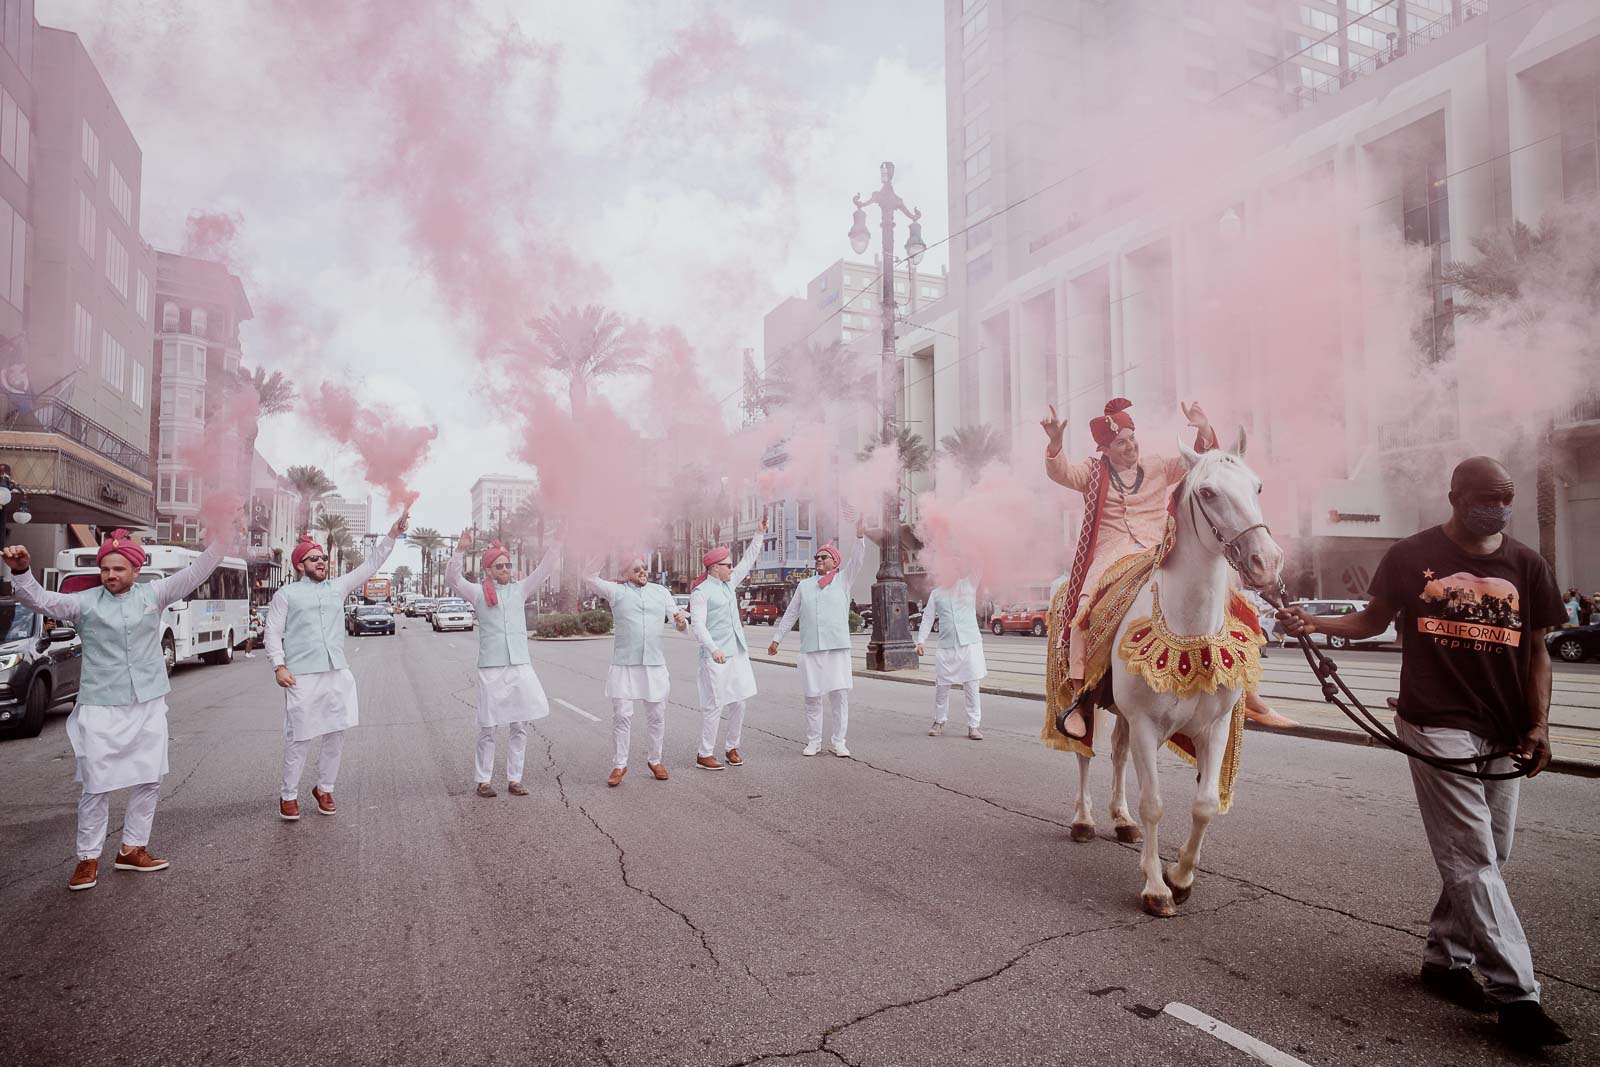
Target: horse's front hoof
[1129, 834]
[1082, 832]
[1180, 894]
[1160, 907]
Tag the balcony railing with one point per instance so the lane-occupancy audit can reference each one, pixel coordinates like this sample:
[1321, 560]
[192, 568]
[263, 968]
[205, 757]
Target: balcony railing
[52, 415]
[1585, 408]
[1308, 95]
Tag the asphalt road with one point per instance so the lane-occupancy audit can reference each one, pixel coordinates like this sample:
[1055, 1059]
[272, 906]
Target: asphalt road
[917, 904]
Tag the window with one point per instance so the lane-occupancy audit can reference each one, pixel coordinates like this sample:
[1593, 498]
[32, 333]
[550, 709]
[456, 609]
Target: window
[1580, 140]
[141, 385]
[141, 302]
[163, 530]
[977, 129]
[13, 255]
[980, 234]
[113, 361]
[169, 397]
[116, 265]
[980, 267]
[121, 194]
[931, 291]
[1321, 51]
[82, 333]
[804, 521]
[978, 199]
[169, 316]
[197, 321]
[976, 28]
[1319, 20]
[87, 224]
[197, 403]
[13, 134]
[91, 149]
[1425, 201]
[978, 166]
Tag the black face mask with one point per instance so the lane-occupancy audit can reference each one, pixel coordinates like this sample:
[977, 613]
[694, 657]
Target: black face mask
[1486, 520]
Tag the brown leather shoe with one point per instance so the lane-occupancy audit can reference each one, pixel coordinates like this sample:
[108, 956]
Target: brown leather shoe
[138, 858]
[325, 805]
[732, 758]
[288, 810]
[486, 790]
[516, 789]
[706, 763]
[659, 770]
[84, 875]
[616, 775]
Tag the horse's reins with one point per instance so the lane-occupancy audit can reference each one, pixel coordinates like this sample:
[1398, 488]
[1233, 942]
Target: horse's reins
[1333, 683]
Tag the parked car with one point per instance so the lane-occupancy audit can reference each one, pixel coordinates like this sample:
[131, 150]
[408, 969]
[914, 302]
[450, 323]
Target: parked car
[39, 668]
[1574, 645]
[453, 614]
[1335, 607]
[1021, 619]
[761, 611]
[369, 619]
[682, 601]
[419, 607]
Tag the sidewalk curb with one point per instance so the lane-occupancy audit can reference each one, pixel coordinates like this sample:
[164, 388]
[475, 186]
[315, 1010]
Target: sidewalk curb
[1558, 764]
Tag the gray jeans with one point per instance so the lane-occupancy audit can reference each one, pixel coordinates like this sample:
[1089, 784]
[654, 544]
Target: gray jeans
[1470, 825]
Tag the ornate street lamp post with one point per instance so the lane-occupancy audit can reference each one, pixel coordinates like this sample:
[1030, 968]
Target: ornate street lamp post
[891, 647]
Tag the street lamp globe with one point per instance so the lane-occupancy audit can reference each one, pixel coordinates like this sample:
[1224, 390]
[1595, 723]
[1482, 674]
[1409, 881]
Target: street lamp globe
[915, 245]
[23, 516]
[859, 237]
[5, 496]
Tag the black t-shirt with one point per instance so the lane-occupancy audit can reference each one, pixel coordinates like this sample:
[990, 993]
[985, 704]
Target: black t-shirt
[1467, 624]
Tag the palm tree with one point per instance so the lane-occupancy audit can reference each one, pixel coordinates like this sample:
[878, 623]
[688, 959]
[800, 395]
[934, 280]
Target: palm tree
[429, 541]
[335, 532]
[1519, 274]
[353, 558]
[402, 575]
[809, 381]
[312, 484]
[971, 448]
[913, 450]
[585, 345]
[274, 395]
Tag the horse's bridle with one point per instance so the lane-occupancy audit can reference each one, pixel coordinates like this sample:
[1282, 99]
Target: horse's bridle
[1229, 545]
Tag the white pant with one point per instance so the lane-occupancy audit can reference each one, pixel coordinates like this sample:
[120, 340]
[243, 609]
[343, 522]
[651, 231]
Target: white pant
[655, 718]
[515, 752]
[94, 812]
[1470, 825]
[840, 699]
[294, 761]
[709, 717]
[941, 703]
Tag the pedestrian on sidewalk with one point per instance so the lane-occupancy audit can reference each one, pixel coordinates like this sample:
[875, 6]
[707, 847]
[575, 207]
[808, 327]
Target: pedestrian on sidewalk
[725, 678]
[638, 668]
[821, 607]
[305, 641]
[959, 658]
[118, 727]
[509, 693]
[1467, 688]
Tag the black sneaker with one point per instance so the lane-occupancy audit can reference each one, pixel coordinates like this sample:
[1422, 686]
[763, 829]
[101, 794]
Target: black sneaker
[1524, 1024]
[1458, 986]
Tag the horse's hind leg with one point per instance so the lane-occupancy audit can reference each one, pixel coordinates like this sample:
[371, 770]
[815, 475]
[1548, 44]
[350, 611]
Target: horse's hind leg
[1209, 750]
[1083, 814]
[1122, 822]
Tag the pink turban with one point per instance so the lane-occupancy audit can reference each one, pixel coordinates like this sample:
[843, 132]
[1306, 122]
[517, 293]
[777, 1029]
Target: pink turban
[1116, 419]
[303, 548]
[822, 583]
[122, 544]
[495, 551]
[717, 555]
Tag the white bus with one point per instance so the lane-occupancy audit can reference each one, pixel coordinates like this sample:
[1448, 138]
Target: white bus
[210, 622]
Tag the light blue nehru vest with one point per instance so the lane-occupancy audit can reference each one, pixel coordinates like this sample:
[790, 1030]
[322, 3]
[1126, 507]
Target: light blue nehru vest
[958, 616]
[502, 629]
[637, 613]
[313, 633]
[824, 614]
[122, 661]
[722, 618]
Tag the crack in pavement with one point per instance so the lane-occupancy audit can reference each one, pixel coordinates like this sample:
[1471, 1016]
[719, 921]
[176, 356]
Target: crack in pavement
[1023, 953]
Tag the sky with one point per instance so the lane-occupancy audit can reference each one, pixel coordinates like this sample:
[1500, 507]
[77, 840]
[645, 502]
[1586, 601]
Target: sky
[401, 184]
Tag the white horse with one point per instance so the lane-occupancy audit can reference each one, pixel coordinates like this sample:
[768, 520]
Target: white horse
[1218, 519]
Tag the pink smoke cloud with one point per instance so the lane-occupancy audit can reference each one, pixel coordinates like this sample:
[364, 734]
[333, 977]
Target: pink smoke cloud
[389, 449]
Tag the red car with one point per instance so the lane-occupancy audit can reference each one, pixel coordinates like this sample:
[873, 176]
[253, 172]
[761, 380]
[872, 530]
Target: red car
[760, 611]
[1021, 619]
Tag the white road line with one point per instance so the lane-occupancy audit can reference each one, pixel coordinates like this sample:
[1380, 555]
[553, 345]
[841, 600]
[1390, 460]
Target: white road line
[580, 711]
[1228, 1035]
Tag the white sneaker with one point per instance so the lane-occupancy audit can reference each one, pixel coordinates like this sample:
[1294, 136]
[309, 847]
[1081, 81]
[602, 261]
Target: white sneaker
[936, 730]
[812, 748]
[974, 734]
[840, 751]
[249, 655]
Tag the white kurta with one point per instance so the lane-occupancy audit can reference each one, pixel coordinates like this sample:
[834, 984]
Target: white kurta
[638, 681]
[723, 683]
[510, 694]
[823, 672]
[119, 746]
[321, 703]
[958, 665]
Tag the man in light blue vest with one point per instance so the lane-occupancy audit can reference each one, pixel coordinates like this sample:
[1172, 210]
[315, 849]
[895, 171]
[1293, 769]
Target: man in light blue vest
[960, 653]
[118, 728]
[638, 667]
[821, 605]
[305, 639]
[725, 677]
[509, 693]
